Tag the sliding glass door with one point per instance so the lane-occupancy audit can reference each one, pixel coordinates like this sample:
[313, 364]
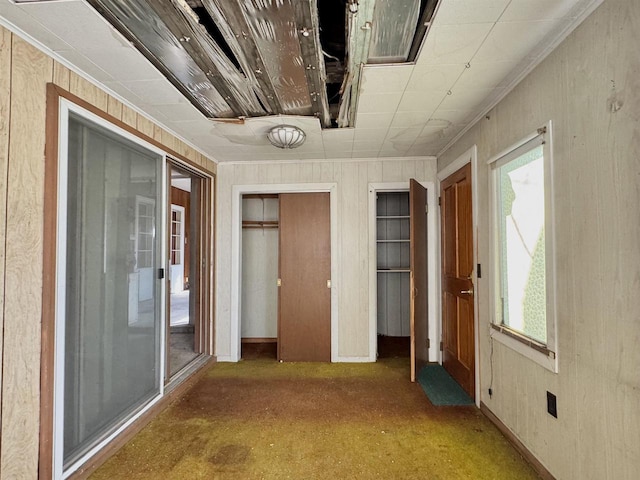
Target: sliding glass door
[110, 298]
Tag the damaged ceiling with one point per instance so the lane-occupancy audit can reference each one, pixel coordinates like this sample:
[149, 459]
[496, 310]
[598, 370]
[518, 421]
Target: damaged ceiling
[251, 58]
[363, 79]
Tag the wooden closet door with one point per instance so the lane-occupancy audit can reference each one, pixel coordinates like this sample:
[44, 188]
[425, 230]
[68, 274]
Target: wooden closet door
[419, 286]
[304, 297]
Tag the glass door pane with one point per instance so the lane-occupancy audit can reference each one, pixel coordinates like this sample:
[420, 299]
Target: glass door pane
[112, 324]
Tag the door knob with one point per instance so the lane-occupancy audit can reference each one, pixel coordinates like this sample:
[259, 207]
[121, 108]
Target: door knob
[467, 292]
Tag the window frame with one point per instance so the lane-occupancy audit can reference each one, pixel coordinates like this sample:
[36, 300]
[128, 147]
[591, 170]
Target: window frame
[544, 354]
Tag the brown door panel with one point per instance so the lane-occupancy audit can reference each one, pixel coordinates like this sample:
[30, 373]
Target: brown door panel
[457, 285]
[304, 299]
[419, 287]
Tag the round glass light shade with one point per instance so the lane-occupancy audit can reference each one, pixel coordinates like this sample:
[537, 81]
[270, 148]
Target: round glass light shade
[286, 136]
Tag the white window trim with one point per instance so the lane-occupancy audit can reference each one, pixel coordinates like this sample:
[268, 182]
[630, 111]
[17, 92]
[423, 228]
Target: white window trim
[63, 150]
[549, 359]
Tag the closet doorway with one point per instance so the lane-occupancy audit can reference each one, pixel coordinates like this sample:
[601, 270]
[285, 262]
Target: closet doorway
[402, 293]
[260, 214]
[286, 276]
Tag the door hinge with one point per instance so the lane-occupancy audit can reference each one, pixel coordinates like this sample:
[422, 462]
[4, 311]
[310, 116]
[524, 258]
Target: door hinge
[428, 343]
[160, 273]
[426, 208]
[441, 346]
[439, 201]
[479, 271]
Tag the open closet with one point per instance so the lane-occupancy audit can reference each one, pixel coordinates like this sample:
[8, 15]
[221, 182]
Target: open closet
[392, 255]
[259, 326]
[401, 273]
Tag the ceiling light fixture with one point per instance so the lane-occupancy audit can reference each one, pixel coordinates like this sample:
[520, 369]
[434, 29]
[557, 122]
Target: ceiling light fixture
[286, 136]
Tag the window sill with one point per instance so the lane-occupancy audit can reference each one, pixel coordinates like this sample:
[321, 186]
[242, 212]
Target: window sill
[540, 355]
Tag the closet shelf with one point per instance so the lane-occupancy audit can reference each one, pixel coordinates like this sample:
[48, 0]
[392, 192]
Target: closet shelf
[259, 224]
[393, 241]
[392, 217]
[393, 270]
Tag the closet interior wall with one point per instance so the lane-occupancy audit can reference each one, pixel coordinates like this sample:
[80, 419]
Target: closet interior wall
[392, 245]
[259, 314]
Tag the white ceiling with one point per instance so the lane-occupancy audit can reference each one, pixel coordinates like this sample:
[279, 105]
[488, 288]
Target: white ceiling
[475, 52]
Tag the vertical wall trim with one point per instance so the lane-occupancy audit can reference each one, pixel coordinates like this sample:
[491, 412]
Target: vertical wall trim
[45, 462]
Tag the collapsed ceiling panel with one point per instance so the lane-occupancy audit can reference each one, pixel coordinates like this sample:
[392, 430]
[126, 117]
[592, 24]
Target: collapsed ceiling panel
[250, 58]
[279, 44]
[382, 32]
[394, 25]
[145, 27]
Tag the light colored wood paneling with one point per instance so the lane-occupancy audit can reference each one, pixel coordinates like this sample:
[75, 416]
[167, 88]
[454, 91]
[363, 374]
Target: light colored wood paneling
[5, 85]
[145, 126]
[61, 75]
[129, 116]
[590, 88]
[114, 107]
[31, 70]
[87, 91]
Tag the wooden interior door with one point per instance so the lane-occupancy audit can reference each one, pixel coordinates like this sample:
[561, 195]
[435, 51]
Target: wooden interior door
[304, 296]
[458, 349]
[418, 267]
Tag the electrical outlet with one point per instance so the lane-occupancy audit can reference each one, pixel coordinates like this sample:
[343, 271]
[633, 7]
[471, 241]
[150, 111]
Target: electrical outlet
[552, 406]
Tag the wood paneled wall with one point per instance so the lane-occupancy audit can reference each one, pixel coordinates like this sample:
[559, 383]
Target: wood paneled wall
[24, 74]
[352, 179]
[590, 88]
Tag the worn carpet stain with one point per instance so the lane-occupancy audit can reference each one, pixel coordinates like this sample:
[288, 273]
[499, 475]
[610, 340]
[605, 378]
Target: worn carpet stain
[261, 419]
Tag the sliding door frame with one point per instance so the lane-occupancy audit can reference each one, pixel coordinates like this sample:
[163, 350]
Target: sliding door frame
[58, 100]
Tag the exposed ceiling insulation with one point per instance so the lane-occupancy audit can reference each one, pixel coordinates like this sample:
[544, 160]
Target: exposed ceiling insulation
[249, 58]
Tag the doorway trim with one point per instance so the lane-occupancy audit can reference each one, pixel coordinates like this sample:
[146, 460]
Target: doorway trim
[469, 156]
[432, 258]
[236, 258]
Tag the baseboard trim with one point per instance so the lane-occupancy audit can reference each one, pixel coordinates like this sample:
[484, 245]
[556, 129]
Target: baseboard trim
[112, 447]
[519, 446]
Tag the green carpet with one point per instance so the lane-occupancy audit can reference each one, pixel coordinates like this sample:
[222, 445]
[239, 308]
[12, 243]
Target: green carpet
[441, 388]
[265, 420]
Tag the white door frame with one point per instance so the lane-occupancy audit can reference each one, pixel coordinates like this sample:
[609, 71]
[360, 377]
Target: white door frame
[180, 266]
[470, 156]
[236, 256]
[432, 272]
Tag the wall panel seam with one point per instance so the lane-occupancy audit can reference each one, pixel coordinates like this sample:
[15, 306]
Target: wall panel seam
[4, 226]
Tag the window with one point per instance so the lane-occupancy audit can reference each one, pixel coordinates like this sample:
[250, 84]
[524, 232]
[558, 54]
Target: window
[524, 313]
